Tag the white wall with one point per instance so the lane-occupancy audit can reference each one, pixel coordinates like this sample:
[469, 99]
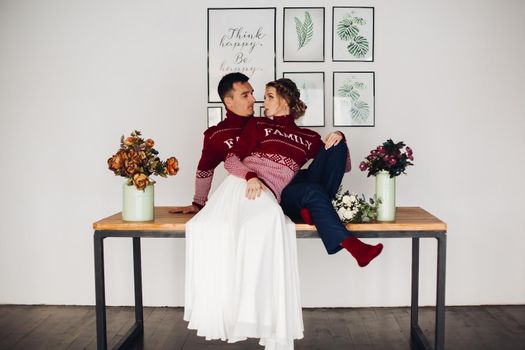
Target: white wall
[75, 75]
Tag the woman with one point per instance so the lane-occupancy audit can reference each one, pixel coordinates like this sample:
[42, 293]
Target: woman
[241, 258]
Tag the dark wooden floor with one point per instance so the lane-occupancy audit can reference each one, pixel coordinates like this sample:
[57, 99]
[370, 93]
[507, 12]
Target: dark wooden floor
[73, 327]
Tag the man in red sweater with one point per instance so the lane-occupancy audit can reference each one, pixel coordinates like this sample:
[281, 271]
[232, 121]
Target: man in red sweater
[237, 95]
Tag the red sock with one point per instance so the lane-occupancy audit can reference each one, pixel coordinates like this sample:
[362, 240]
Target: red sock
[362, 252]
[305, 214]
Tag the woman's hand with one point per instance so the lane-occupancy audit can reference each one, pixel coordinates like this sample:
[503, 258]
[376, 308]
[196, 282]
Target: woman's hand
[254, 188]
[332, 139]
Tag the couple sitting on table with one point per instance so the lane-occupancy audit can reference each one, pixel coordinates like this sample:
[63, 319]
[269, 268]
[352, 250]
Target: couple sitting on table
[242, 275]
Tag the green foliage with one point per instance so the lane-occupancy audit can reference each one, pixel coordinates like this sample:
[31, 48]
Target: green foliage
[348, 30]
[358, 47]
[305, 30]
[354, 209]
[360, 111]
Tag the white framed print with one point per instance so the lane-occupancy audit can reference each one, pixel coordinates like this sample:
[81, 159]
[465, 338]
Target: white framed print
[353, 34]
[311, 86]
[241, 40]
[303, 34]
[354, 98]
[214, 115]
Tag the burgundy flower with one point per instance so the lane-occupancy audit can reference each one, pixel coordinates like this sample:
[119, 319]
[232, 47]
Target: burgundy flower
[363, 166]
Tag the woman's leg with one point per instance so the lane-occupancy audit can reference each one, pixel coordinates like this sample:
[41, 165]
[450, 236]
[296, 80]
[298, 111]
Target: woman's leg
[333, 233]
[267, 296]
[328, 168]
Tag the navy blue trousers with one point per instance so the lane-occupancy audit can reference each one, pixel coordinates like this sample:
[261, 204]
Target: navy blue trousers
[314, 188]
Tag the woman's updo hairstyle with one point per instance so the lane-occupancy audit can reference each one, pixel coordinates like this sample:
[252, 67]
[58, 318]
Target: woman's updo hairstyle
[287, 89]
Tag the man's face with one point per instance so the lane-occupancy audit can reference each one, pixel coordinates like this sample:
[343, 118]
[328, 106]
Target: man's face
[240, 100]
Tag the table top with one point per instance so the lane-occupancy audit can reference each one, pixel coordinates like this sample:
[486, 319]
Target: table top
[407, 219]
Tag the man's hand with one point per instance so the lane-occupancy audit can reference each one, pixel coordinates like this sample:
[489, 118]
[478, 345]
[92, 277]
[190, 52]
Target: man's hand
[184, 210]
[332, 139]
[254, 188]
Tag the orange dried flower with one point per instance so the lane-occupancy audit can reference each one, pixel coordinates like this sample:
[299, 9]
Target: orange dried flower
[140, 181]
[137, 160]
[172, 165]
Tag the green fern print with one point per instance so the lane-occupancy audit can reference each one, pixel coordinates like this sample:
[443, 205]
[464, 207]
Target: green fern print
[305, 30]
[348, 30]
[360, 110]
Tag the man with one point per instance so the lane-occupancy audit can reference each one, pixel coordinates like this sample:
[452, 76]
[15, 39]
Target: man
[308, 196]
[236, 94]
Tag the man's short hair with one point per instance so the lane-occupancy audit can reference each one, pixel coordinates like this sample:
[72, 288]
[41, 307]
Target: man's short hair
[227, 81]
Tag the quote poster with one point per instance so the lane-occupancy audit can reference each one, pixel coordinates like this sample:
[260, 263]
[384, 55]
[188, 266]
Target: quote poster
[241, 40]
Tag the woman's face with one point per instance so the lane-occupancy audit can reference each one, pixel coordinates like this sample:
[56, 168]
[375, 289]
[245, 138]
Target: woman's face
[274, 104]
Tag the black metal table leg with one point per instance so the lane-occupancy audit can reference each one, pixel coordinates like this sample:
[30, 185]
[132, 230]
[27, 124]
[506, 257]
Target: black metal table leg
[137, 267]
[137, 329]
[100, 292]
[440, 295]
[414, 304]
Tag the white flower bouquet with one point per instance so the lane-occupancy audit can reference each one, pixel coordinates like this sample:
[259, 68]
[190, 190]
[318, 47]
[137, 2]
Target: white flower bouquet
[351, 208]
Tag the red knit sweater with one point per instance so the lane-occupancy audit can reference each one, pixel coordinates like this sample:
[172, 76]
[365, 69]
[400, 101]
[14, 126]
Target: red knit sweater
[272, 150]
[218, 140]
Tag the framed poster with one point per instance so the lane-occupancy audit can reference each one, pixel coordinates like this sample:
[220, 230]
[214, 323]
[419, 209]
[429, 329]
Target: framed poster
[303, 34]
[261, 111]
[241, 40]
[311, 86]
[354, 98]
[214, 115]
[353, 34]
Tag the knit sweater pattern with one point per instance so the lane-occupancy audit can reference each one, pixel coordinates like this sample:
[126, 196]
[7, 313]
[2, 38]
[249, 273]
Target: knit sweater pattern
[273, 151]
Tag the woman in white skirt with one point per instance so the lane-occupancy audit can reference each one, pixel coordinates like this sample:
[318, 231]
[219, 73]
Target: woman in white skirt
[241, 256]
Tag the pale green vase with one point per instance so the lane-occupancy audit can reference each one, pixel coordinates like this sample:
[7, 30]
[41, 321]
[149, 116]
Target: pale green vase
[386, 192]
[137, 205]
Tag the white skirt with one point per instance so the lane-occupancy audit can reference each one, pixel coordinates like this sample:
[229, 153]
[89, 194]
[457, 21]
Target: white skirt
[242, 278]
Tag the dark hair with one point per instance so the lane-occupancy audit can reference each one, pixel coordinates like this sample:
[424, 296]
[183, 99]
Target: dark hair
[287, 89]
[227, 81]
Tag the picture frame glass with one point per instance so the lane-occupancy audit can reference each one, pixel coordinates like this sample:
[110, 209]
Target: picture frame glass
[353, 34]
[354, 98]
[311, 86]
[241, 40]
[303, 34]
[214, 116]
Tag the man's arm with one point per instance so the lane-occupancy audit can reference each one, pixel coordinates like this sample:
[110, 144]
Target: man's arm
[242, 148]
[210, 158]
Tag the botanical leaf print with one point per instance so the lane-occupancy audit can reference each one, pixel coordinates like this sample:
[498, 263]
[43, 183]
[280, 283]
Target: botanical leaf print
[348, 30]
[349, 90]
[358, 47]
[305, 30]
[360, 111]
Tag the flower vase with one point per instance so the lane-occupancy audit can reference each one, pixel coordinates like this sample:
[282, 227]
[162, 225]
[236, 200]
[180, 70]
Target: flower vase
[386, 192]
[137, 205]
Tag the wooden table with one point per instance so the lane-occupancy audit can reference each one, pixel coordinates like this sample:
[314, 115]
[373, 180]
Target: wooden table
[411, 222]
